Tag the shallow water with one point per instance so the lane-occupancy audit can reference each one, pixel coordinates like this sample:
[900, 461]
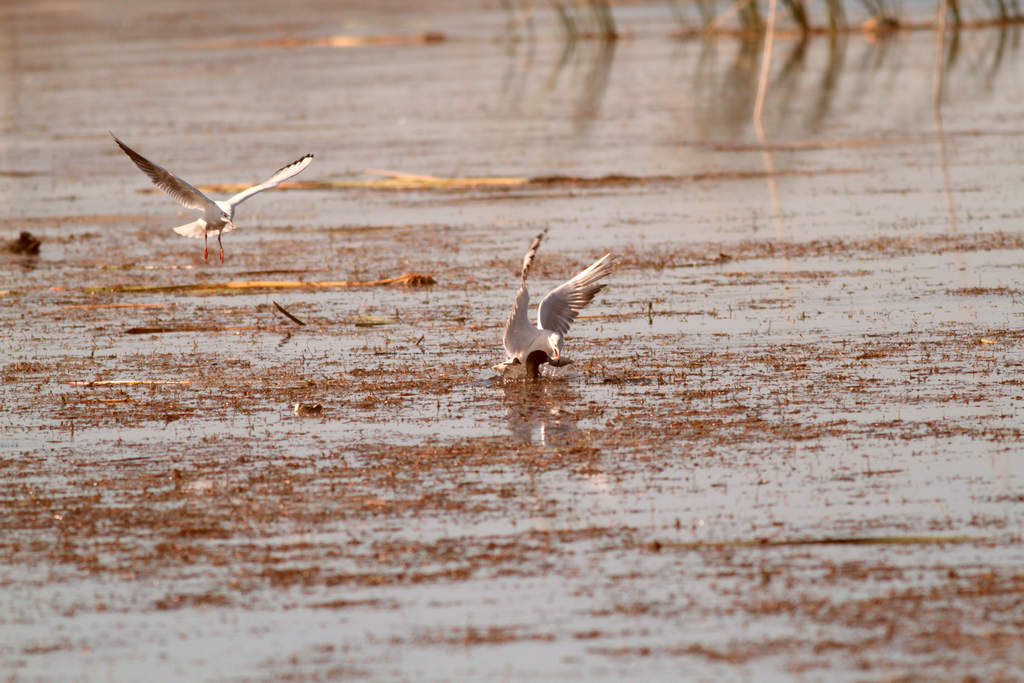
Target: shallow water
[788, 444]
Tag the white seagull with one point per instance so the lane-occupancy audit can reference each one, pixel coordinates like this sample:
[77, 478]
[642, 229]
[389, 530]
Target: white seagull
[532, 346]
[217, 216]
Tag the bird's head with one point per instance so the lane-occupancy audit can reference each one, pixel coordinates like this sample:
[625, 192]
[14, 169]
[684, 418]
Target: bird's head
[553, 346]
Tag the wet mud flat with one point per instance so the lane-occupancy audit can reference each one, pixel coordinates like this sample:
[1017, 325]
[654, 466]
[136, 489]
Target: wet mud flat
[789, 444]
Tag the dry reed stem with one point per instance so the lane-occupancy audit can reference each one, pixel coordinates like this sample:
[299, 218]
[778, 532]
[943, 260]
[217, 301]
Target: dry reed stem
[836, 143]
[172, 329]
[124, 382]
[456, 184]
[396, 180]
[779, 542]
[403, 280]
[338, 41]
[766, 61]
[92, 306]
[762, 87]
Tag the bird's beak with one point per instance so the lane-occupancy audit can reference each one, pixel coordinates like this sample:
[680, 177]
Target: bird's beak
[557, 355]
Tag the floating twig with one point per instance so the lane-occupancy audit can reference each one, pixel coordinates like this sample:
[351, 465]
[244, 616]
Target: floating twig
[124, 382]
[92, 306]
[162, 329]
[797, 542]
[287, 314]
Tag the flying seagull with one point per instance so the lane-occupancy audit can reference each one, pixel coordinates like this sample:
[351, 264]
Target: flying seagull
[217, 216]
[532, 346]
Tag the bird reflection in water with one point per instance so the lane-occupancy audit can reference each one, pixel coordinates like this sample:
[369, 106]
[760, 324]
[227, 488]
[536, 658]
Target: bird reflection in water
[536, 412]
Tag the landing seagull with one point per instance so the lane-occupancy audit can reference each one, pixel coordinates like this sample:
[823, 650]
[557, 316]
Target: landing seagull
[217, 216]
[532, 346]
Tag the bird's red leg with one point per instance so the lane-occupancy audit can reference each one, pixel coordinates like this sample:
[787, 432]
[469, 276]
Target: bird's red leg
[204, 247]
[221, 248]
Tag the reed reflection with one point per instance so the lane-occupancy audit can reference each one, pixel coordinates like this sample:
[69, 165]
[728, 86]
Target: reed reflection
[582, 69]
[814, 80]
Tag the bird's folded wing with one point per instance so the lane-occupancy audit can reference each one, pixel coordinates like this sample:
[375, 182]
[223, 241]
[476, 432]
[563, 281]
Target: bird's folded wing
[282, 174]
[519, 333]
[559, 308]
[182, 192]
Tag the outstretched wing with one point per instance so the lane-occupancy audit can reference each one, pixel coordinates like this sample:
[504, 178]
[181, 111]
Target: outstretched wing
[282, 174]
[182, 192]
[560, 307]
[531, 253]
[519, 333]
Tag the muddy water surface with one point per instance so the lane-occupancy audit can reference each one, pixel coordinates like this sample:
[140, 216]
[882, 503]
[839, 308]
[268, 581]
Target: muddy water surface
[788, 445]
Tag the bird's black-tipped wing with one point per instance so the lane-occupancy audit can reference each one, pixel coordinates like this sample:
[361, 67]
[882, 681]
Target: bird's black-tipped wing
[178, 189]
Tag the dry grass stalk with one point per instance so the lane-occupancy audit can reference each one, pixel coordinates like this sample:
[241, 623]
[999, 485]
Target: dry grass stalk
[403, 280]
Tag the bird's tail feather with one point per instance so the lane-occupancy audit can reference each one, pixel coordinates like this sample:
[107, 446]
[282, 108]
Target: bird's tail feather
[195, 229]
